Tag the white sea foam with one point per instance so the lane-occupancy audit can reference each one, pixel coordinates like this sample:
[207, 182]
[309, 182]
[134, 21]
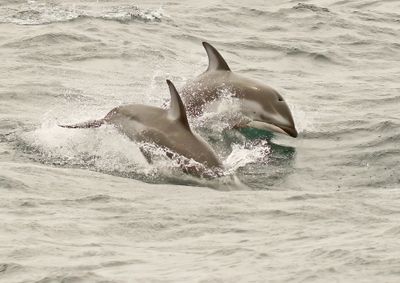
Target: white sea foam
[40, 12]
[102, 149]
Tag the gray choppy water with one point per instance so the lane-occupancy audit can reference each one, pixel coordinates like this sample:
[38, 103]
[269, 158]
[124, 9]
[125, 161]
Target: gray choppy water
[84, 206]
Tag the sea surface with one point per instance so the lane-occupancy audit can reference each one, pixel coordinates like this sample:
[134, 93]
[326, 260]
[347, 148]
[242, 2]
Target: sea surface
[85, 206]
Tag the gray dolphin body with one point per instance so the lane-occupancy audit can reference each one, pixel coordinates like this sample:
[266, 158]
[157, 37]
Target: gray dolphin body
[263, 105]
[167, 128]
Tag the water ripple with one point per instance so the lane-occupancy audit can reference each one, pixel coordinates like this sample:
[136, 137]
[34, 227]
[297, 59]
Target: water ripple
[48, 13]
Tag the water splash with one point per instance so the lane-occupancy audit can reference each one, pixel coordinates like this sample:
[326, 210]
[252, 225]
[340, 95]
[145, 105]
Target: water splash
[244, 154]
[103, 149]
[36, 13]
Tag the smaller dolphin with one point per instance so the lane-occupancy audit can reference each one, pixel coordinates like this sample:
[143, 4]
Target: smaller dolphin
[263, 105]
[167, 128]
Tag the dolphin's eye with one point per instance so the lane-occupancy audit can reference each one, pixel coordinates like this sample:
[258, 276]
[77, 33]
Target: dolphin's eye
[280, 98]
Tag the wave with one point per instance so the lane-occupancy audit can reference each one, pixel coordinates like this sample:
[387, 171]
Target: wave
[7, 183]
[41, 14]
[49, 39]
[311, 7]
[317, 56]
[79, 277]
[289, 48]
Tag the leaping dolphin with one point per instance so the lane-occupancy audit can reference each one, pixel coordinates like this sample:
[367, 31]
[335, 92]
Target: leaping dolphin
[167, 128]
[264, 106]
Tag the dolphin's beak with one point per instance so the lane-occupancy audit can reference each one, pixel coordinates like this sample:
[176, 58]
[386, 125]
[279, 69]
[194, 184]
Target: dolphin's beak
[287, 130]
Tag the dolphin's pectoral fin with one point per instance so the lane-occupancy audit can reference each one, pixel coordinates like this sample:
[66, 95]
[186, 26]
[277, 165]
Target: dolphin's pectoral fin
[215, 60]
[85, 125]
[177, 110]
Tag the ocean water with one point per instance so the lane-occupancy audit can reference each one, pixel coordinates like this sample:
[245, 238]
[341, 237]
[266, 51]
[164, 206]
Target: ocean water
[85, 206]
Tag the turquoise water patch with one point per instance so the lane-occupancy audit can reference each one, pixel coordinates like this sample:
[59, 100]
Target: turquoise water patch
[252, 133]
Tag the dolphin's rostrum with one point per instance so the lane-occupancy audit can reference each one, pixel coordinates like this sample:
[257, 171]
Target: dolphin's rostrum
[263, 105]
[169, 129]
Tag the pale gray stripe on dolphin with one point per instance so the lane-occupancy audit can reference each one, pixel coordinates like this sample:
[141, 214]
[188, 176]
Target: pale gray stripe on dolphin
[264, 106]
[169, 129]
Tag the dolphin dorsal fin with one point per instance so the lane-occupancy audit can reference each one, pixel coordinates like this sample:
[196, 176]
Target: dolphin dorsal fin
[215, 60]
[177, 110]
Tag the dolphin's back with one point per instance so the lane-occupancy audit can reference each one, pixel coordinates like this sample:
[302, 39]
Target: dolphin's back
[140, 122]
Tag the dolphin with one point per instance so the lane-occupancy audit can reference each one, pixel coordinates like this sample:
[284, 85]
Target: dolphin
[264, 107]
[167, 128]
